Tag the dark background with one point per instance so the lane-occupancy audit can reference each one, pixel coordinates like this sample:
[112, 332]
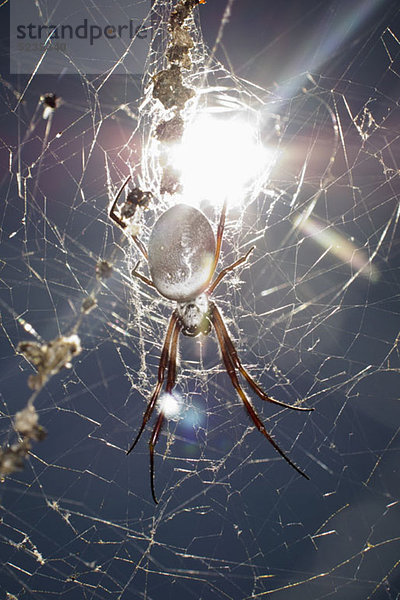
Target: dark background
[234, 521]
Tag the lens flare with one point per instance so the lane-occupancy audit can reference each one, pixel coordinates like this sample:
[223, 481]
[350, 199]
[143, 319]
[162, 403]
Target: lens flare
[335, 242]
[171, 406]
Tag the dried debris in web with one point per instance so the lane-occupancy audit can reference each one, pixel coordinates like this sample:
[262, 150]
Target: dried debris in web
[170, 90]
[26, 425]
[49, 358]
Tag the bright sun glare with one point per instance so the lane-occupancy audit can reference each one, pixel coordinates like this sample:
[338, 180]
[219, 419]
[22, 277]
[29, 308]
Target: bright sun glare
[220, 159]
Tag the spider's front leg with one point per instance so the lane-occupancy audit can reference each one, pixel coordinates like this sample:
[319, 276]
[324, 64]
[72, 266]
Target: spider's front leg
[230, 347]
[167, 359]
[171, 379]
[231, 362]
[160, 378]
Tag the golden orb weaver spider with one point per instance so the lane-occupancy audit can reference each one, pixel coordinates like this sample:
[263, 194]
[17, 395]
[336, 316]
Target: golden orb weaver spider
[182, 258]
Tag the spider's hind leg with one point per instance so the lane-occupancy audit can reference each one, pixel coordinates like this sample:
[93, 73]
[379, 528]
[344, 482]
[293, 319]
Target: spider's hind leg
[228, 269]
[136, 273]
[121, 223]
[112, 213]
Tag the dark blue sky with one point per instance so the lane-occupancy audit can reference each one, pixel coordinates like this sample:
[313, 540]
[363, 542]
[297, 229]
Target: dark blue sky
[234, 520]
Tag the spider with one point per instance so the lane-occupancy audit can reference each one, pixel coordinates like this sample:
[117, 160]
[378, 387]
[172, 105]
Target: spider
[182, 258]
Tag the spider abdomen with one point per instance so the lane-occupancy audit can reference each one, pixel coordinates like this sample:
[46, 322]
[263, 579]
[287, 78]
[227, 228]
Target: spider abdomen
[181, 253]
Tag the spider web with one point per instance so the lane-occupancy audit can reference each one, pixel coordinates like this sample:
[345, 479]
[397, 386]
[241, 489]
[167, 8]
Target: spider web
[314, 315]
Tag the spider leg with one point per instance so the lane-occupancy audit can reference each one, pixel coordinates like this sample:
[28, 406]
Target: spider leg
[120, 222]
[160, 378]
[220, 235]
[230, 368]
[237, 363]
[141, 247]
[146, 280]
[228, 269]
[112, 214]
[171, 378]
[220, 232]
[153, 440]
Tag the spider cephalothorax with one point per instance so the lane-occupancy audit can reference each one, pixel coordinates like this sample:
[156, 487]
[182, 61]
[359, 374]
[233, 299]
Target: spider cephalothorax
[182, 258]
[195, 316]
